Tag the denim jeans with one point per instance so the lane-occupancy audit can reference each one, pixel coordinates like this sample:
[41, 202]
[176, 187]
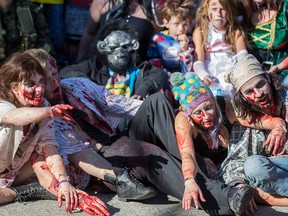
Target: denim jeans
[268, 173]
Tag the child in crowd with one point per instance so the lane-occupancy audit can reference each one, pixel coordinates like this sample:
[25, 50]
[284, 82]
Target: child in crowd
[27, 136]
[218, 41]
[171, 49]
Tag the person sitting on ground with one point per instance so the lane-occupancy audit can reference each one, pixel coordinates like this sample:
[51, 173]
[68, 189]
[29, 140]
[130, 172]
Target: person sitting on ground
[115, 65]
[260, 100]
[99, 111]
[202, 129]
[26, 125]
[75, 144]
[218, 42]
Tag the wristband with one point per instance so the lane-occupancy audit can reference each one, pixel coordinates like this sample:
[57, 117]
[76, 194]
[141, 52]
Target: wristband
[186, 179]
[60, 182]
[64, 175]
[282, 126]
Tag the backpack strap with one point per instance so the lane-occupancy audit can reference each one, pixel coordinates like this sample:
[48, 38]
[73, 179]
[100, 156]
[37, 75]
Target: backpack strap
[28, 31]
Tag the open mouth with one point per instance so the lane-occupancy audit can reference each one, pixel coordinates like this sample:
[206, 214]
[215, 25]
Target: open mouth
[208, 123]
[38, 98]
[263, 100]
[219, 20]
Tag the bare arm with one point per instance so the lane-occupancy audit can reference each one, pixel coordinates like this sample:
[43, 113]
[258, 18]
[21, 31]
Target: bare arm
[186, 146]
[199, 55]
[97, 8]
[189, 165]
[27, 115]
[240, 43]
[198, 49]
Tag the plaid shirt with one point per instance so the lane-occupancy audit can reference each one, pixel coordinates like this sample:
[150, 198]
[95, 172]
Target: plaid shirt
[245, 142]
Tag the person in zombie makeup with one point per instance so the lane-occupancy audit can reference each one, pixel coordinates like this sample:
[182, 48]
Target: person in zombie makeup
[148, 161]
[219, 43]
[253, 153]
[115, 64]
[74, 141]
[202, 129]
[27, 139]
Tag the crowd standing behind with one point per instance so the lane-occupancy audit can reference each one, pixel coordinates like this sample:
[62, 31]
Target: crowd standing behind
[199, 149]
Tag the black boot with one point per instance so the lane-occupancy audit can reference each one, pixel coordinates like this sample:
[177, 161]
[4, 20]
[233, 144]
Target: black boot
[239, 199]
[129, 188]
[32, 191]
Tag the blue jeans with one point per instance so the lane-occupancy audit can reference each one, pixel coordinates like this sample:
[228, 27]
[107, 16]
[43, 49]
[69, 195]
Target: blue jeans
[268, 174]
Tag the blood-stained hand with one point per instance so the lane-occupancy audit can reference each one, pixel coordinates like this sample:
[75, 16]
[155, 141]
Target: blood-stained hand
[276, 140]
[58, 111]
[92, 205]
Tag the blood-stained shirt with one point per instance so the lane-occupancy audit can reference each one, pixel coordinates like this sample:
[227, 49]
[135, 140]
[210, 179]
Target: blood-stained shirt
[104, 109]
[16, 147]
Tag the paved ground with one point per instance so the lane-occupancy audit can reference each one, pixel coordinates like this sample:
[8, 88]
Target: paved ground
[161, 205]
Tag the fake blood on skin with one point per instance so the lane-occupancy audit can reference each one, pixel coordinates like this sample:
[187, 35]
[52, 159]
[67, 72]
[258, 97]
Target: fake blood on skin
[30, 95]
[180, 140]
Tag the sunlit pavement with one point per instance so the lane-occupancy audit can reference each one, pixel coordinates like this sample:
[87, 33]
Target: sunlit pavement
[161, 205]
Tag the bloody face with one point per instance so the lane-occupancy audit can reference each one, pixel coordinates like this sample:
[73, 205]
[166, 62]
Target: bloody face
[217, 15]
[257, 91]
[204, 114]
[53, 90]
[30, 92]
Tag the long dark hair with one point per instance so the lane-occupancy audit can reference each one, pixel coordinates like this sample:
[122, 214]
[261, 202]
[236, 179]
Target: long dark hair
[249, 7]
[122, 7]
[244, 109]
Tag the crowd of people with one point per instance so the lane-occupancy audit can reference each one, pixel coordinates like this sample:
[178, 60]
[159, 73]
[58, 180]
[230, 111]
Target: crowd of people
[186, 97]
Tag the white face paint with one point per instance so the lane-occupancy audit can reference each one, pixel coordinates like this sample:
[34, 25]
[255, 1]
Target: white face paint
[118, 46]
[217, 15]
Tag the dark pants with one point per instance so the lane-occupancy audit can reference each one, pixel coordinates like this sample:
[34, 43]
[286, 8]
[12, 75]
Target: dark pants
[151, 163]
[154, 123]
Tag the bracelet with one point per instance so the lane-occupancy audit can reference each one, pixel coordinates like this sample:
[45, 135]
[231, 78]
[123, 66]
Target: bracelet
[282, 126]
[64, 175]
[60, 182]
[188, 178]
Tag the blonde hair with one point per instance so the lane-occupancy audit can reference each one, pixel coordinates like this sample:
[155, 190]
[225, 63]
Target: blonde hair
[202, 22]
[183, 9]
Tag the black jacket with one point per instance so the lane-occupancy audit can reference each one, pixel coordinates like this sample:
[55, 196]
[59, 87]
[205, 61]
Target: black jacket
[149, 80]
